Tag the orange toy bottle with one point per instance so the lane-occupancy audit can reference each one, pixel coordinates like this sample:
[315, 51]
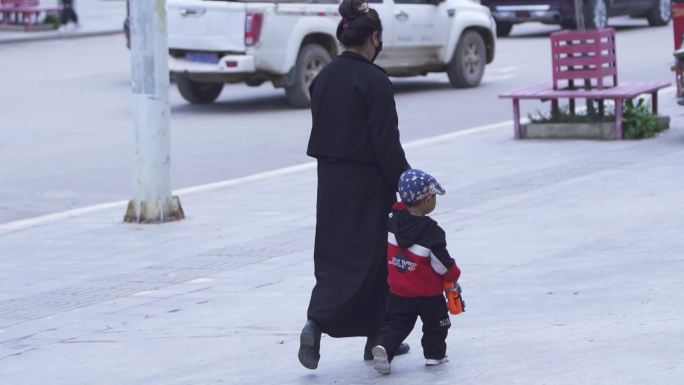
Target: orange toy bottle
[455, 302]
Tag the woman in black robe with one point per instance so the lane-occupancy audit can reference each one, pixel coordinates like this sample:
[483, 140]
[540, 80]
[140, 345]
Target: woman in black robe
[360, 158]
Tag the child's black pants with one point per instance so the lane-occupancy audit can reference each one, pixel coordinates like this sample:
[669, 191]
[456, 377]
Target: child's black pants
[400, 318]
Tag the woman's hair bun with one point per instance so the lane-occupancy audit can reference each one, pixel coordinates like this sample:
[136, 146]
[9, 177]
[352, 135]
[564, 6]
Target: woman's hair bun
[358, 23]
[350, 9]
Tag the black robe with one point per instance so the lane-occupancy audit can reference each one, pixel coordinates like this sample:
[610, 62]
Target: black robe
[356, 142]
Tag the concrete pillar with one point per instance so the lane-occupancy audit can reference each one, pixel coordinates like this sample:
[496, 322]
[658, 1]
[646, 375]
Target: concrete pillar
[153, 202]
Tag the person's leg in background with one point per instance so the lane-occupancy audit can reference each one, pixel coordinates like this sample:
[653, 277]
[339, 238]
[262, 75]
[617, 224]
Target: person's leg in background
[69, 13]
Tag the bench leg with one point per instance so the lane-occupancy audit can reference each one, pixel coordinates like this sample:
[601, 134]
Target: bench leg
[572, 106]
[618, 118]
[555, 108]
[654, 102]
[516, 118]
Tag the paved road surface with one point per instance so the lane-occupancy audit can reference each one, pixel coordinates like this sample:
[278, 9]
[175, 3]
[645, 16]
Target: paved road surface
[66, 131]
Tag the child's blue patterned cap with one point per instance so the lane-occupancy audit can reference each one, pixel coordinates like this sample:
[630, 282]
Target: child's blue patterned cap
[415, 185]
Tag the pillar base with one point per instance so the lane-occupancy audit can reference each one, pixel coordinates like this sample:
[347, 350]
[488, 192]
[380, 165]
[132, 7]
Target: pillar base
[156, 211]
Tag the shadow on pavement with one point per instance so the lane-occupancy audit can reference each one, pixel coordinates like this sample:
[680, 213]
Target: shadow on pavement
[408, 86]
[274, 103]
[236, 106]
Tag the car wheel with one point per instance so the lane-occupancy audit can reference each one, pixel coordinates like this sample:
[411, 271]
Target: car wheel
[197, 92]
[310, 61]
[503, 28]
[467, 66]
[661, 13]
[596, 14]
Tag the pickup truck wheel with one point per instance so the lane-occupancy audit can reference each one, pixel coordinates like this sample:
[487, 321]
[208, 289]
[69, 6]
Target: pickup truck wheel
[503, 28]
[660, 14]
[467, 66]
[196, 92]
[310, 61]
[596, 14]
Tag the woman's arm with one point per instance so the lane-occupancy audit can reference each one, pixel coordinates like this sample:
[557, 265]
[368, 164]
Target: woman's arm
[384, 135]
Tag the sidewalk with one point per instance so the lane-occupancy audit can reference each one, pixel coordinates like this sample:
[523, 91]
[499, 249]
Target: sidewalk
[571, 254]
[97, 17]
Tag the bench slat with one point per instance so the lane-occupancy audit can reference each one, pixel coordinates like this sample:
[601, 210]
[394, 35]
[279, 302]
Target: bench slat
[570, 35]
[583, 48]
[546, 91]
[583, 61]
[586, 74]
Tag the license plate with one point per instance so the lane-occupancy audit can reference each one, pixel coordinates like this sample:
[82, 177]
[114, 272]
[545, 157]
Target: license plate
[524, 14]
[202, 57]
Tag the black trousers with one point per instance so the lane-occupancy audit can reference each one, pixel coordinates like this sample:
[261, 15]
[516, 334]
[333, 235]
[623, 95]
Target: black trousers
[68, 12]
[401, 316]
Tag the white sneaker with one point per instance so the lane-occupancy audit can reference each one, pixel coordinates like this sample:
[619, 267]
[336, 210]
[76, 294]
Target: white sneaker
[435, 362]
[382, 364]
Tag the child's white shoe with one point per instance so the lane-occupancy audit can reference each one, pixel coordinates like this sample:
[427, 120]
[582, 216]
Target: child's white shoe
[382, 364]
[435, 362]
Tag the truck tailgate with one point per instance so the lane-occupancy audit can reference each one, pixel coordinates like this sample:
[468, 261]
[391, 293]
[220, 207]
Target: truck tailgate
[206, 25]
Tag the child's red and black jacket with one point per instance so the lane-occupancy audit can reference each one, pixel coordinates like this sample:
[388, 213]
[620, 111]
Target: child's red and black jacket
[417, 258]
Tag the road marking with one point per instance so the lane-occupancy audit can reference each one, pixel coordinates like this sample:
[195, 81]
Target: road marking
[668, 90]
[43, 219]
[457, 134]
[494, 78]
[502, 69]
[86, 75]
[23, 223]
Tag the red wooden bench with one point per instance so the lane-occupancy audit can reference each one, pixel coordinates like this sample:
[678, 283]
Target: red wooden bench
[587, 58]
[24, 12]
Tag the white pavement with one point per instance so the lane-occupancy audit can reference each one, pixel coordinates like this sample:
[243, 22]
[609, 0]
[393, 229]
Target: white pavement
[571, 254]
[96, 17]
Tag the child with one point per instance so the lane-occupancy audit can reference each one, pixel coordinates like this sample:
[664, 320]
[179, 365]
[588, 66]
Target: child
[418, 264]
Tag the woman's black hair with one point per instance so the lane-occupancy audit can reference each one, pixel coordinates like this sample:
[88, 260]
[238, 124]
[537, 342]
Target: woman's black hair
[358, 23]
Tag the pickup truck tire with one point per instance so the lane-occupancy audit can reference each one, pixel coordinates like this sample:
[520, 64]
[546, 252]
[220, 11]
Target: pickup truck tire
[660, 14]
[596, 14]
[196, 92]
[310, 61]
[503, 28]
[467, 66]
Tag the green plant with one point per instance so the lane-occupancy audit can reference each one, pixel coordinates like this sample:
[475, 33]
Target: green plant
[638, 122]
[52, 19]
[564, 116]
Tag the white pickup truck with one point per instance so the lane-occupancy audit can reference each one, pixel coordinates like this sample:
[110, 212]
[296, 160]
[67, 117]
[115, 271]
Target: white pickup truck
[214, 42]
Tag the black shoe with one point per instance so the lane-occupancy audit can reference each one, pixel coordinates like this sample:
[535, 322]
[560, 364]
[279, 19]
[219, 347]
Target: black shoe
[370, 343]
[403, 348]
[310, 345]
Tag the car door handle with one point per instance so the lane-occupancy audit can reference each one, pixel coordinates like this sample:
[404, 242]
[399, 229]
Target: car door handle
[401, 16]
